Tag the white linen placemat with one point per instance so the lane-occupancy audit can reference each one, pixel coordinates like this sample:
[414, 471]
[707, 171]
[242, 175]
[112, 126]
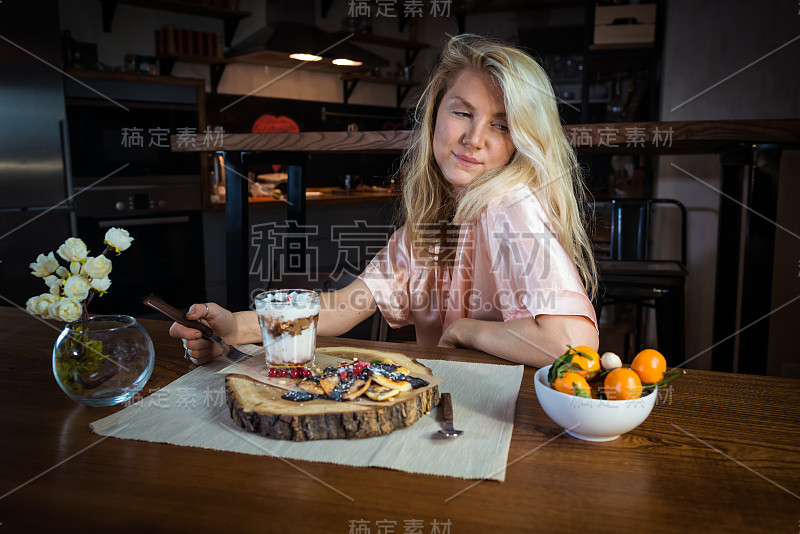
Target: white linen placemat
[192, 411]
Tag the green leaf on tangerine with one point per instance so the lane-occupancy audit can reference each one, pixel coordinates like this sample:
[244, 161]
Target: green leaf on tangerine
[580, 392]
[559, 367]
[584, 354]
[669, 376]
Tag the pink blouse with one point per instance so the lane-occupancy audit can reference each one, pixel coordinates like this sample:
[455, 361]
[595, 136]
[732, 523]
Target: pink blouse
[507, 265]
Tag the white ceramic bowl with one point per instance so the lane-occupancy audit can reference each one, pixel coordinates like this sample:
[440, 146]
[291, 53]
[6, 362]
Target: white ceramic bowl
[591, 419]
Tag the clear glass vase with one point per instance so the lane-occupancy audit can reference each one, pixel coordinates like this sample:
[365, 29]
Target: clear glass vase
[106, 364]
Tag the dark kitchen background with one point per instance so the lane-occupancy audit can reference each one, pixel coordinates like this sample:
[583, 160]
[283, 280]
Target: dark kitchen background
[76, 74]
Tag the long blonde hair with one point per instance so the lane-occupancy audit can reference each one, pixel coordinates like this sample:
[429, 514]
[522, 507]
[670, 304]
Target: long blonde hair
[543, 160]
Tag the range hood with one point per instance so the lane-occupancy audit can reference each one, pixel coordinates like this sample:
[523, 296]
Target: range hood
[274, 44]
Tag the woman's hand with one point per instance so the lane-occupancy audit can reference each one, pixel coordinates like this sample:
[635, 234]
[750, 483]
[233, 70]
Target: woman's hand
[222, 321]
[453, 336]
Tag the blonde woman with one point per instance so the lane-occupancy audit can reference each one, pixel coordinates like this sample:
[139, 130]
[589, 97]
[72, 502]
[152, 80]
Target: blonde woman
[493, 254]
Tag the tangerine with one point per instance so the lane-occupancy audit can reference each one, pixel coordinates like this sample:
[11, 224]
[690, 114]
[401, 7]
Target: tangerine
[587, 359]
[572, 384]
[650, 365]
[622, 384]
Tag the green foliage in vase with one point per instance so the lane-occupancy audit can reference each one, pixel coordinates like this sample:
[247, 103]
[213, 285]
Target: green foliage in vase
[79, 357]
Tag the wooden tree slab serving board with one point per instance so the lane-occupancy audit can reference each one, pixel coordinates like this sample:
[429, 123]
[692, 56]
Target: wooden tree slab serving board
[259, 408]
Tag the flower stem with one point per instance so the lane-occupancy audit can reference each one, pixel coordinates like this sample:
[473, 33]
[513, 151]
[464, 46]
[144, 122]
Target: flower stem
[85, 314]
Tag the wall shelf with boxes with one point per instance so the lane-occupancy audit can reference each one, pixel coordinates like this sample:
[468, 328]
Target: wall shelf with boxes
[184, 45]
[351, 80]
[219, 9]
[604, 65]
[190, 46]
[622, 49]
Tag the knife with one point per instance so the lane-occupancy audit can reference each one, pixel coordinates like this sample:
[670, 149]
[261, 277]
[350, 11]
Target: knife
[447, 418]
[229, 351]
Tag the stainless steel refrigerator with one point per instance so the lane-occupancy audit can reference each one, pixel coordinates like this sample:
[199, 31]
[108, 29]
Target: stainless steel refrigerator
[35, 211]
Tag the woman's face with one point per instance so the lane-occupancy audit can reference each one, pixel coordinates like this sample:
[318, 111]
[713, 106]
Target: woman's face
[471, 132]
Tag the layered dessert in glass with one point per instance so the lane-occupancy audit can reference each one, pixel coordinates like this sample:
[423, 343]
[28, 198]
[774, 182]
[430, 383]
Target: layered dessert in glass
[288, 320]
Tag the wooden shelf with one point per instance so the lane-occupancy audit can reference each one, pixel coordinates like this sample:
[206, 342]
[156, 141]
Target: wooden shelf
[193, 58]
[687, 137]
[231, 17]
[411, 48]
[381, 142]
[132, 77]
[380, 80]
[403, 86]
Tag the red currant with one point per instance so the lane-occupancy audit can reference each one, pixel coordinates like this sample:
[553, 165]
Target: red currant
[281, 372]
[294, 373]
[272, 372]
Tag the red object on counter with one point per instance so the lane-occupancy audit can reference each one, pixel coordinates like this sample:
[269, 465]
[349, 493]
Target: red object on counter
[273, 124]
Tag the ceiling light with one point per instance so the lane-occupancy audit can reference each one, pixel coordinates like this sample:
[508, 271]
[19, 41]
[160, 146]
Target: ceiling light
[284, 38]
[305, 57]
[347, 62]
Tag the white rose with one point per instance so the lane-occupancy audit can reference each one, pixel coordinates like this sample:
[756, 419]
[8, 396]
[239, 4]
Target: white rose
[73, 249]
[101, 284]
[44, 265]
[77, 287]
[62, 272]
[39, 305]
[118, 238]
[54, 283]
[65, 309]
[75, 267]
[98, 267]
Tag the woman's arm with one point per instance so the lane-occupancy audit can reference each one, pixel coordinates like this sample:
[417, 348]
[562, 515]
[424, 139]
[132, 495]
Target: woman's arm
[536, 342]
[339, 311]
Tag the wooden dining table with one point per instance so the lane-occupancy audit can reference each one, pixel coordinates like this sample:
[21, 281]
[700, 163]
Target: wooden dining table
[719, 453]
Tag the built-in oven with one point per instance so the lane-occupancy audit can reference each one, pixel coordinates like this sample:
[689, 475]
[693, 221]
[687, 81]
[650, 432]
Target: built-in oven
[165, 258]
[122, 173]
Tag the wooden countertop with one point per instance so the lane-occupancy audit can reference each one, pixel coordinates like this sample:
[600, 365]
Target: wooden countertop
[720, 454]
[678, 137]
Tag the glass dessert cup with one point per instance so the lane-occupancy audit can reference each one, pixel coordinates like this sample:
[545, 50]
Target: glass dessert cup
[288, 320]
